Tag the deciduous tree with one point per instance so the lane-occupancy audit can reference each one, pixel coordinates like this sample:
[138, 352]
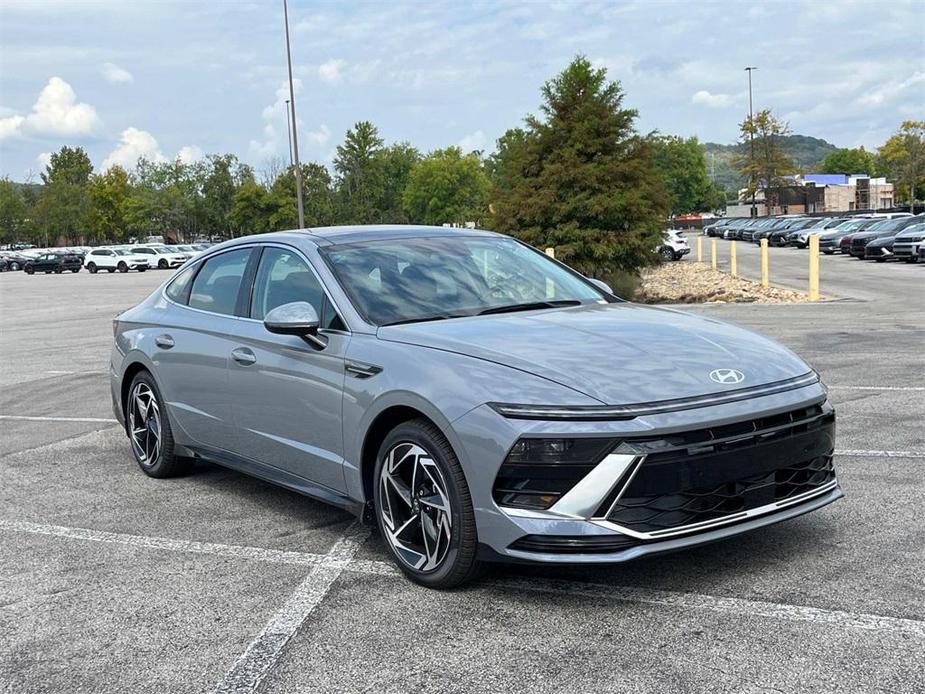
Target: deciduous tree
[447, 187]
[904, 154]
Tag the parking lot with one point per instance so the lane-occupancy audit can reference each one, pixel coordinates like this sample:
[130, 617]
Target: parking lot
[111, 581]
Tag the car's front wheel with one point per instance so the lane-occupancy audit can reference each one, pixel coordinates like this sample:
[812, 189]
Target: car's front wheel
[148, 429]
[162, 264]
[423, 507]
[122, 266]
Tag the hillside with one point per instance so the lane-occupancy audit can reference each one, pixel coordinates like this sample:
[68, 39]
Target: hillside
[806, 151]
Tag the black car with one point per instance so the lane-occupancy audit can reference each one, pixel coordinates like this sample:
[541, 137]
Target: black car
[12, 261]
[880, 249]
[888, 227]
[54, 262]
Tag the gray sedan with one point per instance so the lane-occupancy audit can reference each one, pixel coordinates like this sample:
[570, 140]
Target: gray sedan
[476, 399]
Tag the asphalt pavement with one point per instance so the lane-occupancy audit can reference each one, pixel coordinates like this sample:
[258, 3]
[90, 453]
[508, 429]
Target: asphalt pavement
[114, 582]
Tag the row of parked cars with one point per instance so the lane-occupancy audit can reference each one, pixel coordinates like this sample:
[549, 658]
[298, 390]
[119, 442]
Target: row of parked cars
[120, 258]
[878, 236]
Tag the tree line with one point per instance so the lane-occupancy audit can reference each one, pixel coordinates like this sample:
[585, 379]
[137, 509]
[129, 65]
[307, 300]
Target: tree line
[578, 176]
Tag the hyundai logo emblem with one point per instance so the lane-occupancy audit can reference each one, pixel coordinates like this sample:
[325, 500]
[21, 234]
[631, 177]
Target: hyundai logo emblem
[727, 377]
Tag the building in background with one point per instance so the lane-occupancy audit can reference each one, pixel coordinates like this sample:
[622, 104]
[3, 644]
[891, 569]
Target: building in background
[811, 193]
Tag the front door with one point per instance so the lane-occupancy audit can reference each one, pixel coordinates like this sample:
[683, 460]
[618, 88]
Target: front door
[286, 394]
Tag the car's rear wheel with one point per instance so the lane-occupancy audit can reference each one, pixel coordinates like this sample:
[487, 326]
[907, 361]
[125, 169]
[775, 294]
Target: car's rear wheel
[92, 268]
[29, 270]
[14, 266]
[148, 429]
[122, 266]
[423, 507]
[667, 254]
[141, 268]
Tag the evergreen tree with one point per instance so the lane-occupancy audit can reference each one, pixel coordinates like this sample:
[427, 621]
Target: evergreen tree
[359, 182]
[580, 178]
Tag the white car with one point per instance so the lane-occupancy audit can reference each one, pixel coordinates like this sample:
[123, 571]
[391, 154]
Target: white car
[112, 259]
[674, 246]
[161, 257]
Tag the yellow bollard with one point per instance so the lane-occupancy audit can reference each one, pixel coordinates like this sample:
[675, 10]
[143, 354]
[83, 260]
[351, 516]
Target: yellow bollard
[732, 260]
[713, 253]
[814, 267]
[551, 252]
[700, 249]
[764, 263]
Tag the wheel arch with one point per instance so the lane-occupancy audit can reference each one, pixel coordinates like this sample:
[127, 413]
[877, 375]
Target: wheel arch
[379, 427]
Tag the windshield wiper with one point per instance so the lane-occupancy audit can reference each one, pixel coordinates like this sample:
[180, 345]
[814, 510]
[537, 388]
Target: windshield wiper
[425, 319]
[529, 306]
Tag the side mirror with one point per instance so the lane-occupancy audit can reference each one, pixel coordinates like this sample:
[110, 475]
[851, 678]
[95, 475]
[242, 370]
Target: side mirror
[297, 318]
[600, 284]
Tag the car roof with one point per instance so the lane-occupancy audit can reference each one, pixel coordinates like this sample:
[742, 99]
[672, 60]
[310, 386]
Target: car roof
[329, 236]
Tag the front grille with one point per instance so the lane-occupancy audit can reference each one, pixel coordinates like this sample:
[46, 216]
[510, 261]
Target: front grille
[700, 476]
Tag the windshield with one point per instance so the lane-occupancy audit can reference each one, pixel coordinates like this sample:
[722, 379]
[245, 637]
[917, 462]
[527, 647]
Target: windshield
[410, 280]
[121, 251]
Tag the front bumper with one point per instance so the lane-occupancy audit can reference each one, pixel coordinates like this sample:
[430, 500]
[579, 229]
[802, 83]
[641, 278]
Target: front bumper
[608, 517]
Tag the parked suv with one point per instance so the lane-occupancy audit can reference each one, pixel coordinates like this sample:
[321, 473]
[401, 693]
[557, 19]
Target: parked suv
[53, 262]
[907, 242]
[161, 257]
[112, 259]
[674, 246]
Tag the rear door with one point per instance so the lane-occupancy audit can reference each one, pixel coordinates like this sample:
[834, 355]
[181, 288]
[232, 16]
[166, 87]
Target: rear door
[193, 343]
[287, 395]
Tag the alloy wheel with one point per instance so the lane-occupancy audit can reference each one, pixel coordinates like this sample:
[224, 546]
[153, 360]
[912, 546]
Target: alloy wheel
[144, 421]
[415, 507]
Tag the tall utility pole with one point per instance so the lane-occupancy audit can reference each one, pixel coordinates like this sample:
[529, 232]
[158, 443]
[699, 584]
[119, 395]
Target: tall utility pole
[294, 129]
[289, 130]
[751, 136]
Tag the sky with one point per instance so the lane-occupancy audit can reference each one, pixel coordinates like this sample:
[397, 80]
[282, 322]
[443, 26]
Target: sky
[171, 78]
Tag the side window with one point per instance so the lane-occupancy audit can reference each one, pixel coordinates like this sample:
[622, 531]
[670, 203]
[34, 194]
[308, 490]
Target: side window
[283, 277]
[179, 288]
[215, 287]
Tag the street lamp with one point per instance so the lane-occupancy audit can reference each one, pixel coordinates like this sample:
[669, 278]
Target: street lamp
[289, 131]
[751, 135]
[293, 130]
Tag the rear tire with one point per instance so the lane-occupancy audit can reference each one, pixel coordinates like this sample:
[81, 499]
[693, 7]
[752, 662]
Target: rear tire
[423, 507]
[148, 427]
[142, 269]
[667, 254]
[75, 270]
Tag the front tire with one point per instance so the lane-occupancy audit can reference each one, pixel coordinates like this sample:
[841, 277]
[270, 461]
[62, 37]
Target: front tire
[148, 427]
[122, 266]
[162, 264]
[29, 270]
[423, 507]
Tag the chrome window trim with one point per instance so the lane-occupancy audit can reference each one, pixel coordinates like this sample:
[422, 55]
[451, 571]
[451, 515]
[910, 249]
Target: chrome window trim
[197, 261]
[623, 412]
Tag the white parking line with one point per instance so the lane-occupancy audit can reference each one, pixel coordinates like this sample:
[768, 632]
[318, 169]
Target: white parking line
[250, 669]
[231, 551]
[737, 606]
[30, 418]
[879, 454]
[914, 388]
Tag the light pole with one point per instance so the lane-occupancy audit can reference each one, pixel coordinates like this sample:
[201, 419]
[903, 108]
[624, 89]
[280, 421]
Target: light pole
[751, 136]
[289, 131]
[293, 130]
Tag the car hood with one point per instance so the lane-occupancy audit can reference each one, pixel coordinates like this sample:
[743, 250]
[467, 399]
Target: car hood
[619, 354]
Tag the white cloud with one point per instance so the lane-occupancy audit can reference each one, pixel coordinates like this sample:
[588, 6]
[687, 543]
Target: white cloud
[891, 89]
[44, 159]
[319, 137]
[473, 141]
[190, 154]
[275, 139]
[57, 111]
[705, 98]
[11, 126]
[330, 71]
[134, 144]
[115, 74]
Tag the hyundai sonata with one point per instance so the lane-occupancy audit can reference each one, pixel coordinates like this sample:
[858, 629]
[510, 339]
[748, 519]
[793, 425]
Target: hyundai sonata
[476, 399]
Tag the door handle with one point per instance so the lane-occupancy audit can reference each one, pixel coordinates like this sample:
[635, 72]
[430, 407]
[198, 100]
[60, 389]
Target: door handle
[243, 356]
[164, 341]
